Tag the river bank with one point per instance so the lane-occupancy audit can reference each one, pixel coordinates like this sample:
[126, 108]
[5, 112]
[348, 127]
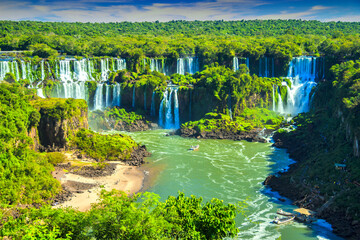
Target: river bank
[82, 190]
[304, 193]
[82, 178]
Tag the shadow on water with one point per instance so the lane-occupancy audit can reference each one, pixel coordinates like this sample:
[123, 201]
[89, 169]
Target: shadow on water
[280, 162]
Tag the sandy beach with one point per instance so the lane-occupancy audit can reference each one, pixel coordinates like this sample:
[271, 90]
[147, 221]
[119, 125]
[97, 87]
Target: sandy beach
[86, 190]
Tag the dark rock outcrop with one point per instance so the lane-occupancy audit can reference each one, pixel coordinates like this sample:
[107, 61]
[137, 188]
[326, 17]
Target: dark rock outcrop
[250, 136]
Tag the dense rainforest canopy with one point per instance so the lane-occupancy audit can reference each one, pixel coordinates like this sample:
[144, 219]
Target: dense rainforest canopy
[211, 41]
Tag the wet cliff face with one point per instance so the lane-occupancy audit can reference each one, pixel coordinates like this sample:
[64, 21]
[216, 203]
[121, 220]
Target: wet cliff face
[60, 120]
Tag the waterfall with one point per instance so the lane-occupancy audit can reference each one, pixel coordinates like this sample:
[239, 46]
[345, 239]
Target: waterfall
[104, 67]
[280, 104]
[65, 72]
[169, 116]
[40, 93]
[176, 111]
[107, 96]
[152, 110]
[133, 97]
[302, 74]
[187, 64]
[155, 65]
[161, 108]
[266, 67]
[42, 70]
[235, 64]
[152, 65]
[4, 69]
[98, 99]
[180, 66]
[9, 67]
[120, 64]
[116, 95]
[237, 61]
[15, 70]
[82, 70]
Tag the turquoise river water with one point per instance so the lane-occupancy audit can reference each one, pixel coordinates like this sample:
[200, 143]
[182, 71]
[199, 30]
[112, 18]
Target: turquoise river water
[229, 170]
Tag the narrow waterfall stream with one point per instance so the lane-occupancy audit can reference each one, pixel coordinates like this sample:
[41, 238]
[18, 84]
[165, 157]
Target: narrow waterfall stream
[169, 109]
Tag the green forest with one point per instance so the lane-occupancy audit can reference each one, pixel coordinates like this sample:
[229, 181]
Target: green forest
[28, 154]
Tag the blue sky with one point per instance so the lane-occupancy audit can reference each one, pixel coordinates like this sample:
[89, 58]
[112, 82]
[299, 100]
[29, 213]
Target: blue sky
[166, 10]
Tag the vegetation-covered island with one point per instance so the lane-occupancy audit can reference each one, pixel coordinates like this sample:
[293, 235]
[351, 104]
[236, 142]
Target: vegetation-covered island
[96, 120]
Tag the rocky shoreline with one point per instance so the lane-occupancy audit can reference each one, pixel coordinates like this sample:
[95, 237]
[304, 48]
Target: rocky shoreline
[254, 135]
[305, 195]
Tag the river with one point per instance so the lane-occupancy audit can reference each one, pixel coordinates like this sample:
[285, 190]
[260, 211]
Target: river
[229, 170]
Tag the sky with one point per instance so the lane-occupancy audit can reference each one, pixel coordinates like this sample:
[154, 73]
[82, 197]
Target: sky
[167, 10]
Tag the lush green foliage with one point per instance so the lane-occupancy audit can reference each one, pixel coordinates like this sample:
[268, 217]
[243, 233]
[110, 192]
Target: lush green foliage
[248, 119]
[120, 114]
[243, 28]
[24, 175]
[211, 41]
[55, 157]
[118, 216]
[147, 79]
[60, 108]
[104, 147]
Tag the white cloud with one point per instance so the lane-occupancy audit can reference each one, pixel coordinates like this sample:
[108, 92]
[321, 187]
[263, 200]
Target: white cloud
[311, 13]
[347, 18]
[319, 7]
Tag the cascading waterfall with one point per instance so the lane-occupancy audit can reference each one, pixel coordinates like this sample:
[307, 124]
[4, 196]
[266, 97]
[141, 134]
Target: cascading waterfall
[4, 69]
[161, 108]
[9, 67]
[120, 64]
[237, 61]
[169, 116]
[98, 99]
[82, 70]
[156, 65]
[176, 111]
[15, 69]
[187, 64]
[73, 83]
[104, 66]
[107, 96]
[116, 95]
[152, 107]
[265, 64]
[302, 73]
[280, 104]
[42, 71]
[180, 66]
[65, 72]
